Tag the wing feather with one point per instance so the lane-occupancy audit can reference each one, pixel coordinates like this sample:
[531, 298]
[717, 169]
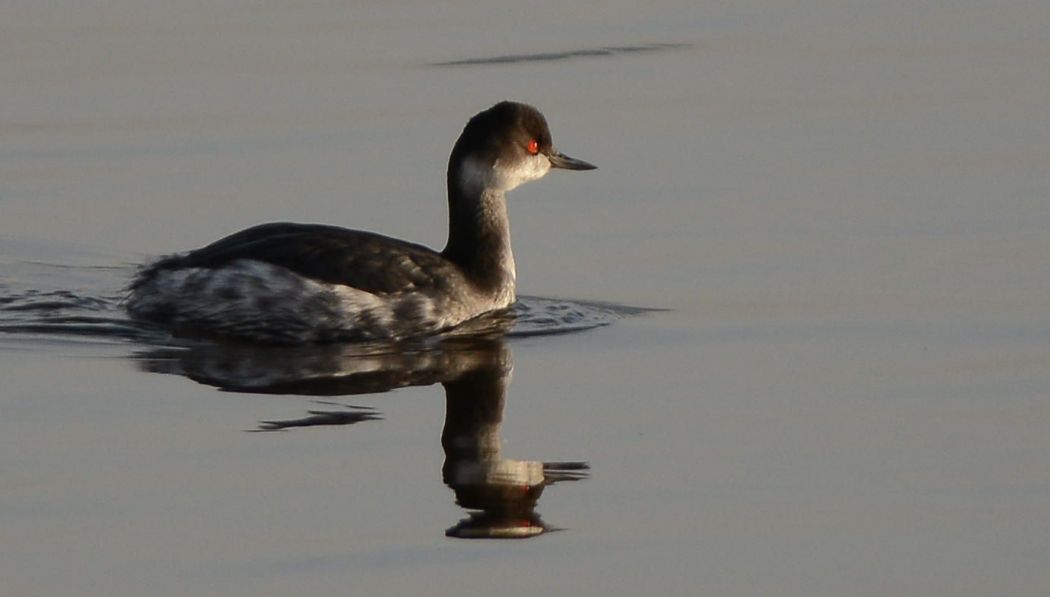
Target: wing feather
[364, 260]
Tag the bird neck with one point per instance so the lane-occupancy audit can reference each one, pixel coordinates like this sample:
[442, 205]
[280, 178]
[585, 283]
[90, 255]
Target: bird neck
[479, 237]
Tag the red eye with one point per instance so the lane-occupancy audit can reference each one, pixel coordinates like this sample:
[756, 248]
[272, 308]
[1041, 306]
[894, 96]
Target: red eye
[533, 147]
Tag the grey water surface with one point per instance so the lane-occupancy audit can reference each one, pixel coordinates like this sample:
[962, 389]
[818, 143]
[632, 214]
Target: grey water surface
[833, 215]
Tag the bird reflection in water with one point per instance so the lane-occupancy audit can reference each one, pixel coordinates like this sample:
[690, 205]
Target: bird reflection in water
[500, 494]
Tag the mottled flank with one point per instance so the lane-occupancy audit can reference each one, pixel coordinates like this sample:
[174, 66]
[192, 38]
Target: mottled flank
[260, 301]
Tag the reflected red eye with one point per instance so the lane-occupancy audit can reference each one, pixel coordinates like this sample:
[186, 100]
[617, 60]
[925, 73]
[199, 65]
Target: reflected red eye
[533, 147]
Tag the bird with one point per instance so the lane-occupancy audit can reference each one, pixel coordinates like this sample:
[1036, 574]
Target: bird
[290, 283]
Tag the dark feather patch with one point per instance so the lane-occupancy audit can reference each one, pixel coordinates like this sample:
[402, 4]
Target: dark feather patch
[370, 262]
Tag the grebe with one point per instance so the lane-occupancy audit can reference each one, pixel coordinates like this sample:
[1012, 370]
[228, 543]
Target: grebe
[300, 283]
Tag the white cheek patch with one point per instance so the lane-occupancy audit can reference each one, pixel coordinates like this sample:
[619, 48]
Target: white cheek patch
[531, 168]
[474, 177]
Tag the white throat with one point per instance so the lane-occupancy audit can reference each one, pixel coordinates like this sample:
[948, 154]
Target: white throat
[475, 177]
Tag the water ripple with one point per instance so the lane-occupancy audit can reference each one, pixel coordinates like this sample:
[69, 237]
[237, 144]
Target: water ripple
[551, 56]
[98, 312]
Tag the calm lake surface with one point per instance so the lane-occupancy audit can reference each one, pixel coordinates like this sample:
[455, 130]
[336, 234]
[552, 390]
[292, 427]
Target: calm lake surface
[841, 207]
